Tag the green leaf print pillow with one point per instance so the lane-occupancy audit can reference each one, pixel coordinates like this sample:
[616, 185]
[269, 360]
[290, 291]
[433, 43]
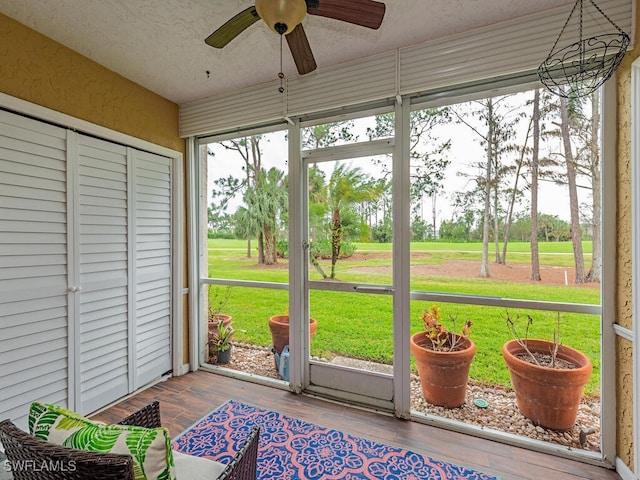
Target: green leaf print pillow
[149, 447]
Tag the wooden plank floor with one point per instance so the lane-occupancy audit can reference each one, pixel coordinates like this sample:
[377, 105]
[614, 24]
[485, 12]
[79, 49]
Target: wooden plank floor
[186, 399]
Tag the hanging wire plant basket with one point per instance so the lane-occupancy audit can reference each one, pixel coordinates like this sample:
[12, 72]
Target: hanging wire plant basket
[581, 67]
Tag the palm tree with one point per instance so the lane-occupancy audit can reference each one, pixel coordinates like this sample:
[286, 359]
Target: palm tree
[245, 226]
[265, 203]
[317, 200]
[347, 186]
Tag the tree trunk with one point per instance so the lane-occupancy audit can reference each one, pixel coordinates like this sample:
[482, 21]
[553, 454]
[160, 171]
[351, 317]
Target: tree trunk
[484, 266]
[576, 234]
[434, 215]
[508, 219]
[596, 192]
[496, 224]
[336, 240]
[260, 248]
[249, 247]
[269, 246]
[535, 160]
[512, 201]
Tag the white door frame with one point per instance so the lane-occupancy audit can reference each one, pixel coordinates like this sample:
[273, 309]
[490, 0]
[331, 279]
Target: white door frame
[349, 384]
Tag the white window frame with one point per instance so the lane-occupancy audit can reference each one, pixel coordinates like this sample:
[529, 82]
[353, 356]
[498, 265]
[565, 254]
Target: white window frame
[606, 309]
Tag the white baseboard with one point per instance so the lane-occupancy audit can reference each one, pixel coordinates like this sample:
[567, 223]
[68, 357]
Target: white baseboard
[624, 471]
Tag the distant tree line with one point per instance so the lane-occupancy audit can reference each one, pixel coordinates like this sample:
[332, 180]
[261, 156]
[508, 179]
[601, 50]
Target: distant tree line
[550, 229]
[525, 139]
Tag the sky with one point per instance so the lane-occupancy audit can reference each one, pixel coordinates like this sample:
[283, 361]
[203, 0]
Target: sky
[552, 199]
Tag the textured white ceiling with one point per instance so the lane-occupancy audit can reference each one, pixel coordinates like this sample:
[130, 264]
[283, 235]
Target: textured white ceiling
[160, 43]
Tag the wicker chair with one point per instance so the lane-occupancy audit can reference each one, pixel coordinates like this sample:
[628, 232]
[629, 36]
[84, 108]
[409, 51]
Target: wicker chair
[29, 456]
[245, 462]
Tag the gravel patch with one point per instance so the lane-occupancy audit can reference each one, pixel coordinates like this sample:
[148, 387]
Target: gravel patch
[500, 414]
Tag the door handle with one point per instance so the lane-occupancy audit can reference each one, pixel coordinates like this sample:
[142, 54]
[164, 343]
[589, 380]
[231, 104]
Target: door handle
[363, 289]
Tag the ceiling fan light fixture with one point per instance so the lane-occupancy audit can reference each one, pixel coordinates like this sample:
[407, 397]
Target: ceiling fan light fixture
[285, 18]
[278, 14]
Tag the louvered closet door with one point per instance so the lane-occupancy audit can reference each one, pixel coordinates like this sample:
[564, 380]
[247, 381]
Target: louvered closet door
[103, 272]
[152, 266]
[33, 266]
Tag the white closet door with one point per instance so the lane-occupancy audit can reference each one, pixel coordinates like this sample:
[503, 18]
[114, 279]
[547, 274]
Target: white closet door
[33, 266]
[103, 272]
[152, 266]
[85, 268]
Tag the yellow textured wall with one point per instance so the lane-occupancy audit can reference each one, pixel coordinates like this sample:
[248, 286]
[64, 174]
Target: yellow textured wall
[624, 359]
[41, 71]
[44, 72]
[624, 349]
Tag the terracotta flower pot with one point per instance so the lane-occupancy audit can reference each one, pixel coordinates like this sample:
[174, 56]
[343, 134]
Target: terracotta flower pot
[443, 375]
[549, 397]
[212, 325]
[212, 328]
[215, 318]
[279, 326]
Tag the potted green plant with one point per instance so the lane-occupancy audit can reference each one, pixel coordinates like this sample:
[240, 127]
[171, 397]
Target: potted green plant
[547, 377]
[220, 343]
[443, 358]
[216, 308]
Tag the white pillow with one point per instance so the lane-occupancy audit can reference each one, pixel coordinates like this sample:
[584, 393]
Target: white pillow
[188, 467]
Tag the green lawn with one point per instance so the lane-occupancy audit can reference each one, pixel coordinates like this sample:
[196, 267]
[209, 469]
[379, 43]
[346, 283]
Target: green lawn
[361, 325]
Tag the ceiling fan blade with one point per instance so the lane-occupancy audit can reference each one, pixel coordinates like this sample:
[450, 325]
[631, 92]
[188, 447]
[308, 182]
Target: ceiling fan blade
[366, 13]
[233, 28]
[301, 50]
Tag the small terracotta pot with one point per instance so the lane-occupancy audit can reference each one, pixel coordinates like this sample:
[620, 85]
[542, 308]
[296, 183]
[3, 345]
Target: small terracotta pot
[214, 319]
[443, 375]
[212, 325]
[279, 326]
[549, 397]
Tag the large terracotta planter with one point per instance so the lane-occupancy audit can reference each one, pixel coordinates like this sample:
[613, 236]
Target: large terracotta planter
[279, 326]
[549, 397]
[443, 375]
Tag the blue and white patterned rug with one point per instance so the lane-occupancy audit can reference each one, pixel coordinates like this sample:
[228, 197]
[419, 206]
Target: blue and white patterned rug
[296, 450]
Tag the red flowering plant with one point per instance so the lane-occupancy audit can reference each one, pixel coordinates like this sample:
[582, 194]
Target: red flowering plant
[442, 339]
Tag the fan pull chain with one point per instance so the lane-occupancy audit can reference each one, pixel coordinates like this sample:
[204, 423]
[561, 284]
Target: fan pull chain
[281, 73]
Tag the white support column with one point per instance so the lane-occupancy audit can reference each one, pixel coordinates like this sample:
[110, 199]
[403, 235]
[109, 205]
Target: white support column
[608, 162]
[193, 215]
[298, 307]
[177, 294]
[401, 261]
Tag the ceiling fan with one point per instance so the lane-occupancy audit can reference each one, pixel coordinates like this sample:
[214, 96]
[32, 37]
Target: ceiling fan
[285, 16]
